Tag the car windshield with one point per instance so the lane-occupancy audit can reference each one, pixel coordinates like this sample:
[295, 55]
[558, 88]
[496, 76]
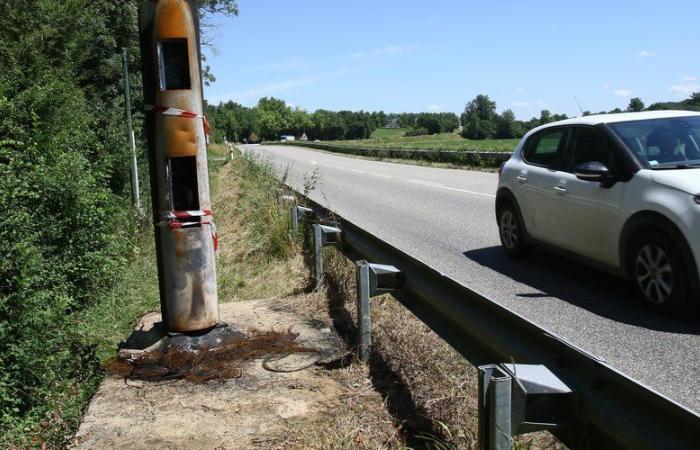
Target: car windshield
[669, 143]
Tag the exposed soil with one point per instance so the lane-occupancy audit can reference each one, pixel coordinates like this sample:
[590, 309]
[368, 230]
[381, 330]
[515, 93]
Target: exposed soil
[294, 405]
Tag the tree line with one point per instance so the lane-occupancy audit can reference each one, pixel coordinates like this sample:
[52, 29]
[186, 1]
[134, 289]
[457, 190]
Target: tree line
[271, 118]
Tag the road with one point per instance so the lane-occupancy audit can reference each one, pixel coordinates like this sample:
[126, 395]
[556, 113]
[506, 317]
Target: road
[446, 218]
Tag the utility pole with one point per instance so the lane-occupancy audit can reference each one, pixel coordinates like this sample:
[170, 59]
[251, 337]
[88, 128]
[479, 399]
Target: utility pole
[135, 197]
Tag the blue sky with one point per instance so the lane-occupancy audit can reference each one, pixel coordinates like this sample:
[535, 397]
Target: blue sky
[435, 56]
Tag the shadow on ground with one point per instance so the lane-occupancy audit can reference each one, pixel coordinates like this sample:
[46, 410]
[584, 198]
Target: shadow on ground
[596, 291]
[414, 425]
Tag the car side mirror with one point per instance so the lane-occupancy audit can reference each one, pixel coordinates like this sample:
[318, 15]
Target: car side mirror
[593, 171]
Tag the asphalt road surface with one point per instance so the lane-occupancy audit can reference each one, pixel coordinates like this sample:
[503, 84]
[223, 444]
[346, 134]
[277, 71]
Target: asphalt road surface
[446, 218]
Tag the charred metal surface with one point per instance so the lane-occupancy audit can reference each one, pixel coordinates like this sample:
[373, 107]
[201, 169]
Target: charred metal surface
[172, 79]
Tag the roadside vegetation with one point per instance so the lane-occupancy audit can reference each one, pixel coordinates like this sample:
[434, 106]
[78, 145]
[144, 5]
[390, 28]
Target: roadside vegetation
[396, 138]
[482, 128]
[73, 272]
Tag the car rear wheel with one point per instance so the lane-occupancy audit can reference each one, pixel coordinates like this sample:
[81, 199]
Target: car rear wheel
[510, 230]
[658, 273]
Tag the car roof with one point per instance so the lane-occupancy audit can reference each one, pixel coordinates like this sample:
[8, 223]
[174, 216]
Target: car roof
[621, 117]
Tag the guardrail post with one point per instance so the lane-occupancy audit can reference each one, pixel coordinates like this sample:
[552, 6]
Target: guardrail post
[494, 408]
[372, 280]
[364, 324]
[518, 398]
[323, 236]
[298, 211]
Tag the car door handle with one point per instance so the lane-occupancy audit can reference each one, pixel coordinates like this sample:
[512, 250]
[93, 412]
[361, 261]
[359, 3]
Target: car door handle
[521, 179]
[560, 189]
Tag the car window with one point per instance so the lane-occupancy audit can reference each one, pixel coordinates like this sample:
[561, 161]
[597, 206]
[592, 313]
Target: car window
[662, 143]
[544, 148]
[587, 144]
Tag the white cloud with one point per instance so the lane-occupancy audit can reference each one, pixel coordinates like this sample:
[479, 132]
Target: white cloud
[605, 86]
[644, 54]
[689, 78]
[262, 90]
[434, 107]
[685, 89]
[622, 92]
[279, 86]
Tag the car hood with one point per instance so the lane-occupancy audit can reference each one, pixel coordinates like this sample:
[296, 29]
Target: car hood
[686, 180]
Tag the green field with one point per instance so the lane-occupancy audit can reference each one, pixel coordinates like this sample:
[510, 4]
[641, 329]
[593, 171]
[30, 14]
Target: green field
[394, 138]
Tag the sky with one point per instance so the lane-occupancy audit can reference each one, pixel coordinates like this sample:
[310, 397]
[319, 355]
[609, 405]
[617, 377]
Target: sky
[410, 56]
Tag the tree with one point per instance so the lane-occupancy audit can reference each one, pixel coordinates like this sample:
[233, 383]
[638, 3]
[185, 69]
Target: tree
[507, 127]
[272, 118]
[545, 117]
[636, 104]
[479, 118]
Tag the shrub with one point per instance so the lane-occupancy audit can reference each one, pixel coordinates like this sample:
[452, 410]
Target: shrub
[419, 131]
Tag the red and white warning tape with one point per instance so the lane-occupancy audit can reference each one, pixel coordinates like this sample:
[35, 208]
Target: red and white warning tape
[168, 111]
[172, 220]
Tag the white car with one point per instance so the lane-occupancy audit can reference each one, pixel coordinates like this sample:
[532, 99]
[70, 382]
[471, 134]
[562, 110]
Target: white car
[618, 191]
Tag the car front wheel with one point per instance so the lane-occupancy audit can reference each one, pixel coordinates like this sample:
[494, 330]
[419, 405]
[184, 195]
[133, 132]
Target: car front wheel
[658, 273]
[510, 230]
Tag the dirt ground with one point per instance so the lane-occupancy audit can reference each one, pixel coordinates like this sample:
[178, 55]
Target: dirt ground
[318, 402]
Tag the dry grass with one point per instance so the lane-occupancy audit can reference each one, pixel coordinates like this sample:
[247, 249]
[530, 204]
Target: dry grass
[441, 409]
[257, 257]
[416, 391]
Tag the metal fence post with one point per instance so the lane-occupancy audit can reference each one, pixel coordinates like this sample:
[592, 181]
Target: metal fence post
[372, 280]
[516, 399]
[364, 325]
[323, 235]
[494, 408]
[135, 195]
[297, 212]
[318, 255]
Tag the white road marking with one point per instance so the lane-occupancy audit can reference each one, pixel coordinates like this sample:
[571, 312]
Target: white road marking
[313, 163]
[440, 186]
[370, 173]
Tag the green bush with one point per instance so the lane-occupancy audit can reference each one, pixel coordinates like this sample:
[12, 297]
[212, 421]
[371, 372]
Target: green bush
[419, 131]
[66, 222]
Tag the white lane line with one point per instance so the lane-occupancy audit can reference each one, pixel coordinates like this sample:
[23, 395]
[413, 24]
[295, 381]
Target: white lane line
[440, 186]
[313, 163]
[370, 173]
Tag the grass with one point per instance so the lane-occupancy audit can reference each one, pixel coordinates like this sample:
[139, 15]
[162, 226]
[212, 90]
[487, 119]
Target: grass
[442, 406]
[257, 258]
[96, 330]
[394, 138]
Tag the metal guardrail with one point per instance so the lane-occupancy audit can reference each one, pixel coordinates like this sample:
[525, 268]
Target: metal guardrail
[474, 158]
[601, 408]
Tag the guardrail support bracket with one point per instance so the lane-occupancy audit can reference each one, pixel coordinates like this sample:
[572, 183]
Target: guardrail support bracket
[516, 399]
[323, 237]
[372, 280]
[297, 212]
